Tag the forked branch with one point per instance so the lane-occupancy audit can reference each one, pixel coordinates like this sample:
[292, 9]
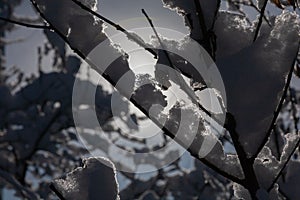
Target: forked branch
[108, 78]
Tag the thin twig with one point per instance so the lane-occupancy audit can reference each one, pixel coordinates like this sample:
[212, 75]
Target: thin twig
[257, 9]
[180, 79]
[251, 4]
[262, 14]
[25, 24]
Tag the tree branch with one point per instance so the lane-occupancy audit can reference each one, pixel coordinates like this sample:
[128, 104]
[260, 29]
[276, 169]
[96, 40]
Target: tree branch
[260, 20]
[182, 82]
[250, 181]
[107, 77]
[203, 27]
[132, 37]
[201, 19]
[53, 188]
[25, 24]
[256, 8]
[117, 27]
[251, 4]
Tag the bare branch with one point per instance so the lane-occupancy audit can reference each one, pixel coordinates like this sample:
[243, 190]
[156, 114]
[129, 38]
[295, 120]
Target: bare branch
[180, 79]
[250, 181]
[53, 188]
[250, 3]
[203, 27]
[117, 27]
[201, 19]
[25, 24]
[260, 20]
[256, 8]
